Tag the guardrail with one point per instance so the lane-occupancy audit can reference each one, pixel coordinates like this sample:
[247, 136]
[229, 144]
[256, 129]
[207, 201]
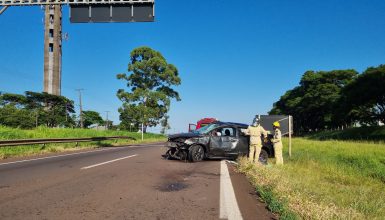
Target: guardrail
[4, 143]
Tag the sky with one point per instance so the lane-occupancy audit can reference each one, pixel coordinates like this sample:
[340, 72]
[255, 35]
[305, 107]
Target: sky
[235, 58]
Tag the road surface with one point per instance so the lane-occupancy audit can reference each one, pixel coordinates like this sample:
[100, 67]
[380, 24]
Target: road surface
[131, 182]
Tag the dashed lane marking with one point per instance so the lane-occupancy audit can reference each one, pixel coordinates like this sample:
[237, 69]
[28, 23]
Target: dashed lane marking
[107, 162]
[86, 152]
[64, 155]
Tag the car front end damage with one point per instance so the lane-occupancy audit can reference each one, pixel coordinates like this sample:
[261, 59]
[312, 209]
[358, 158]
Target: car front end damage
[179, 145]
[176, 150]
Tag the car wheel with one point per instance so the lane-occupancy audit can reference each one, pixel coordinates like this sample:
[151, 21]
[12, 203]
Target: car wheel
[196, 153]
[263, 156]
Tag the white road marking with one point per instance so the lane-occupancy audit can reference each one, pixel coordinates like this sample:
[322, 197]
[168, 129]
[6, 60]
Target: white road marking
[228, 203]
[110, 161]
[64, 155]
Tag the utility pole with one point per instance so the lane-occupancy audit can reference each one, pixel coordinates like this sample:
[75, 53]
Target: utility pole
[66, 112]
[107, 119]
[290, 132]
[144, 104]
[80, 106]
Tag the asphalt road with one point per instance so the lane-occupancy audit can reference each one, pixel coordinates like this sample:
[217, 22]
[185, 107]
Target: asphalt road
[131, 182]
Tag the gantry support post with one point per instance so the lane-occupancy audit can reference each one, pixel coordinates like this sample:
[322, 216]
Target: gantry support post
[52, 49]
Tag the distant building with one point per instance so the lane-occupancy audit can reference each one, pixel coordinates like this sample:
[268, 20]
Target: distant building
[357, 124]
[98, 127]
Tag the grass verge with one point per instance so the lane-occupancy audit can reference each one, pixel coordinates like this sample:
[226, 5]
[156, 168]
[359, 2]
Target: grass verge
[324, 180]
[43, 132]
[369, 134]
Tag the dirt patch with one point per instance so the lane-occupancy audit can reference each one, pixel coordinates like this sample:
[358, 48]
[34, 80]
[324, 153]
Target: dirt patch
[4, 187]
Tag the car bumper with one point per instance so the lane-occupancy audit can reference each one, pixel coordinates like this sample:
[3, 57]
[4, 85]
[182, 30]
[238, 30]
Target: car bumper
[171, 144]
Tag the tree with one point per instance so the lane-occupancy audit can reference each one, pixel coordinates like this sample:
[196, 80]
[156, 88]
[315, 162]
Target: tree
[150, 88]
[13, 99]
[314, 103]
[52, 110]
[41, 108]
[289, 104]
[92, 117]
[365, 96]
[127, 122]
[12, 116]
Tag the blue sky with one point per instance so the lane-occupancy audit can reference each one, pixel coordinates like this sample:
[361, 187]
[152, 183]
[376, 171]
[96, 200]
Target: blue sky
[235, 59]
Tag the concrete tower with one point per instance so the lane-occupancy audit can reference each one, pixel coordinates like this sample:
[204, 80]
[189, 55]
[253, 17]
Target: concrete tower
[52, 49]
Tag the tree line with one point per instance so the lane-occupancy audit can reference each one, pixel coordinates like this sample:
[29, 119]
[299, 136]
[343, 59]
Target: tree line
[335, 99]
[146, 102]
[34, 109]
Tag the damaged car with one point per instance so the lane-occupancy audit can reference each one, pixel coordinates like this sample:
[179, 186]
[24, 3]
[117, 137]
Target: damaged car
[216, 140]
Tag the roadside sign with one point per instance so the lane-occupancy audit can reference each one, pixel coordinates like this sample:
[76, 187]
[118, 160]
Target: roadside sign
[286, 122]
[112, 13]
[267, 122]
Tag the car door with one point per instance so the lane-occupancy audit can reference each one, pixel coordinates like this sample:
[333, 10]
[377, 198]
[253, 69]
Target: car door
[222, 141]
[216, 144]
[229, 139]
[243, 143]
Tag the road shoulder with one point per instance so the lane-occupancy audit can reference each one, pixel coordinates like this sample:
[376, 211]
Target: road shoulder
[248, 200]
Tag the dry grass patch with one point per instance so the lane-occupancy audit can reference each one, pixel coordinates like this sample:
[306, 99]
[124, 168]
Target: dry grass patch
[326, 180]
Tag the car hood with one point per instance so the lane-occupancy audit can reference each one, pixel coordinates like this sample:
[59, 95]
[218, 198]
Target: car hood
[183, 135]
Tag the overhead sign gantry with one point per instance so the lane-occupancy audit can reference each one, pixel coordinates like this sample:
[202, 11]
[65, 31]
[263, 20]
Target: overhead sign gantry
[81, 11]
[84, 11]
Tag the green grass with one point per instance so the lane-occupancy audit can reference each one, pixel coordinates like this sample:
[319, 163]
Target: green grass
[43, 132]
[372, 134]
[324, 180]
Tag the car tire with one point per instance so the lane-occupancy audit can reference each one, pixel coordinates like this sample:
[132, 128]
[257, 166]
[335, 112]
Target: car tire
[196, 153]
[263, 156]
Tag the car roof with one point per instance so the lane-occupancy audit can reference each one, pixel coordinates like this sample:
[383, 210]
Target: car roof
[231, 124]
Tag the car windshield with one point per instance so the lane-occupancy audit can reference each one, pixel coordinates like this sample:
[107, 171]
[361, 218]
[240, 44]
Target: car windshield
[206, 129]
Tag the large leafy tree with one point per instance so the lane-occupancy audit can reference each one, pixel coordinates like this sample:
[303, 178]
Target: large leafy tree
[15, 117]
[314, 103]
[52, 110]
[289, 104]
[322, 91]
[92, 117]
[150, 88]
[365, 96]
[34, 109]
